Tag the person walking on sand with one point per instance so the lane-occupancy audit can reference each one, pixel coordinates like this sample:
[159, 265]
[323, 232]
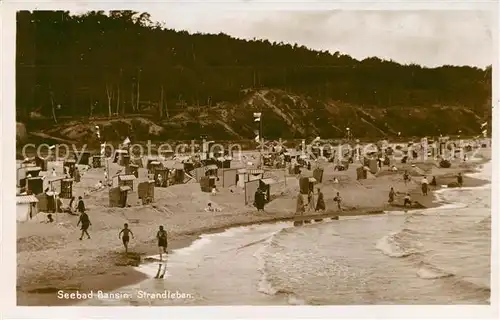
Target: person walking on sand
[161, 235]
[81, 205]
[125, 239]
[392, 194]
[425, 186]
[85, 221]
[338, 199]
[460, 180]
[406, 177]
[320, 205]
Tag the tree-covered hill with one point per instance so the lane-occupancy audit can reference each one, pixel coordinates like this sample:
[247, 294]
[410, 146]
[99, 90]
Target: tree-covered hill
[101, 64]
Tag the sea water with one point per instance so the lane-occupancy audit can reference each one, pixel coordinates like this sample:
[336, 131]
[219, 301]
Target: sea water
[431, 256]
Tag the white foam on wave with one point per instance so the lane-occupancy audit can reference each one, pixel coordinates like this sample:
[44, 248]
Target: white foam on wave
[429, 272]
[151, 269]
[195, 246]
[264, 285]
[484, 172]
[388, 245]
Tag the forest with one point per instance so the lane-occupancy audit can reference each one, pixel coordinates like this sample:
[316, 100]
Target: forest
[118, 63]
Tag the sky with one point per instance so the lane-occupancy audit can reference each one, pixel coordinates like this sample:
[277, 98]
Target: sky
[429, 38]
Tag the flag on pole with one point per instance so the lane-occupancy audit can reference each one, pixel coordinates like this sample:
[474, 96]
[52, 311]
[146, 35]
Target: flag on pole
[256, 116]
[103, 148]
[126, 141]
[257, 138]
[484, 124]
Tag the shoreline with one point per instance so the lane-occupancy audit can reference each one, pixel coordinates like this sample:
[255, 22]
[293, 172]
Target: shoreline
[114, 278]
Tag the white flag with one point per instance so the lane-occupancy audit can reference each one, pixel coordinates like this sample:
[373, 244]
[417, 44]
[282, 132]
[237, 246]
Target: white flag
[484, 124]
[257, 138]
[126, 141]
[257, 116]
[103, 148]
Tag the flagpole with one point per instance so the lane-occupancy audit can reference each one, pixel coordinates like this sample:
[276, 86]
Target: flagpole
[261, 141]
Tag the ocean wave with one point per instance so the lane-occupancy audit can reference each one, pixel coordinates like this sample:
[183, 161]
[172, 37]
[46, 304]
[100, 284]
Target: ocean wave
[265, 286]
[392, 247]
[427, 271]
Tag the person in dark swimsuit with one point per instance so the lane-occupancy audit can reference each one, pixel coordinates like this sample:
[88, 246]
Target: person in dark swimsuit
[161, 235]
[85, 221]
[125, 239]
[460, 180]
[406, 177]
[81, 205]
[407, 200]
[338, 199]
[392, 193]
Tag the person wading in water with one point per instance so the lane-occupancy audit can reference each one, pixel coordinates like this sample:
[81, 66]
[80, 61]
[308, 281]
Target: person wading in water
[125, 239]
[161, 235]
[85, 221]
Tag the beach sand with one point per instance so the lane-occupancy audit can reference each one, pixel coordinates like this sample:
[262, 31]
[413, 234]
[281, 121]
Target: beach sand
[50, 257]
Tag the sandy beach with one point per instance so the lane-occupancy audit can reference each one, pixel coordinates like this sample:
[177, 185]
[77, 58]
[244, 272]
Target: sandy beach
[51, 257]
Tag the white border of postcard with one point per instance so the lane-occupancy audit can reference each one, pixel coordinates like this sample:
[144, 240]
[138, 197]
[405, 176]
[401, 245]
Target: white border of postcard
[7, 178]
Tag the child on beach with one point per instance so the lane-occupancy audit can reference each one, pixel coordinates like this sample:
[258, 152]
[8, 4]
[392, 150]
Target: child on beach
[125, 239]
[85, 221]
[338, 199]
[460, 180]
[161, 235]
[81, 205]
[407, 200]
[392, 193]
[406, 177]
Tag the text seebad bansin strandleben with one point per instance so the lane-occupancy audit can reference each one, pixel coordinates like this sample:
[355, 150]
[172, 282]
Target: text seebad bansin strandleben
[140, 294]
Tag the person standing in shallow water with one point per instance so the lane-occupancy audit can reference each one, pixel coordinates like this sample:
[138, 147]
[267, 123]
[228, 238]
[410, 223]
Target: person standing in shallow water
[320, 205]
[161, 236]
[85, 222]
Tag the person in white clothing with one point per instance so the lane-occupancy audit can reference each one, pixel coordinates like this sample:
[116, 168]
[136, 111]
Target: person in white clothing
[425, 186]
